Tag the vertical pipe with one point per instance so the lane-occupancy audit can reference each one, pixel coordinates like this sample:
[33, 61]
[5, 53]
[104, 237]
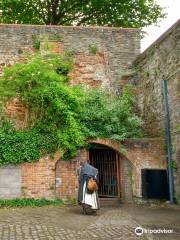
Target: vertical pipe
[168, 141]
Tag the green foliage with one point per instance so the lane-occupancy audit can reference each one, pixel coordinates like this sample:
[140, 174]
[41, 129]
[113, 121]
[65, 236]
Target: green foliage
[42, 86]
[24, 146]
[71, 201]
[118, 13]
[27, 80]
[177, 128]
[61, 116]
[174, 165]
[46, 43]
[36, 42]
[109, 116]
[29, 202]
[93, 49]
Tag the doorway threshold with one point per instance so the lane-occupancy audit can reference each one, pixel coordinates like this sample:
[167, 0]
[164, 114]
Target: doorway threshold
[110, 202]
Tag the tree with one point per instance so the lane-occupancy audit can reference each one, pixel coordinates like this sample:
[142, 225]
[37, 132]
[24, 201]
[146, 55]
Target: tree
[117, 13]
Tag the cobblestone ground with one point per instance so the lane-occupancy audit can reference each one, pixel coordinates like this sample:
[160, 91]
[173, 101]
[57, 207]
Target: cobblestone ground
[68, 223]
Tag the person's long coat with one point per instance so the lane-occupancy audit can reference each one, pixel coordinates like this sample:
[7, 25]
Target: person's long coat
[87, 171]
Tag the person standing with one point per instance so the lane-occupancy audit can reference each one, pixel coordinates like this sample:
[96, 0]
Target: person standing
[88, 198]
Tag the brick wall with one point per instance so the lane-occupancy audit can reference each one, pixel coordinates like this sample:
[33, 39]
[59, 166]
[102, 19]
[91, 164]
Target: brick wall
[66, 179]
[17, 113]
[38, 179]
[144, 153]
[116, 49]
[127, 170]
[67, 176]
[137, 154]
[91, 69]
[55, 178]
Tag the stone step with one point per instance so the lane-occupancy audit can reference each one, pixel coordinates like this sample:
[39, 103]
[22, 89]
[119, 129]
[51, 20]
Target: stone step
[109, 202]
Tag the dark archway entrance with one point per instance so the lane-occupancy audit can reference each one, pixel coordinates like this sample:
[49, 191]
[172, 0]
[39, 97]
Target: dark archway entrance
[108, 163]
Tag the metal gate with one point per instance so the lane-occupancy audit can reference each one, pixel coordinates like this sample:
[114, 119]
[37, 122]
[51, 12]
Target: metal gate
[107, 162]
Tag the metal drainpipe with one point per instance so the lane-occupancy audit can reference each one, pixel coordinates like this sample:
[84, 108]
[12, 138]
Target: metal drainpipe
[168, 142]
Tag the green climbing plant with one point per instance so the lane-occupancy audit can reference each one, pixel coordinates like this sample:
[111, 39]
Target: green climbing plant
[62, 116]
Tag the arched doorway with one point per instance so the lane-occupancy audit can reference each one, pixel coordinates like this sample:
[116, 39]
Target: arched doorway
[108, 163]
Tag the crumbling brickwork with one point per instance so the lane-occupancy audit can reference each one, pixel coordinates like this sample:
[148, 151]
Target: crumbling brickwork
[91, 70]
[116, 49]
[17, 113]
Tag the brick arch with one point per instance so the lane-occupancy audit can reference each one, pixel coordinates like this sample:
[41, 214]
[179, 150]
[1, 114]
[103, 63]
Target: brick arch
[112, 144]
[124, 165]
[107, 142]
[141, 153]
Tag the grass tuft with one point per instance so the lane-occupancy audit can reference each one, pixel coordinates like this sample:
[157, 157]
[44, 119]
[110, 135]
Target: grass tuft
[29, 202]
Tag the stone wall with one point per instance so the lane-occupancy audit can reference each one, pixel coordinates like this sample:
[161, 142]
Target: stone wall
[116, 49]
[161, 61]
[158, 62]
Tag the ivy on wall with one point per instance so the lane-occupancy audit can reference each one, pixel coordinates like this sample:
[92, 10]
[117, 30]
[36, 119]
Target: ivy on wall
[64, 116]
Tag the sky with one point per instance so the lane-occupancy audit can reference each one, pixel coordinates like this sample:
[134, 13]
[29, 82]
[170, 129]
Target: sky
[154, 32]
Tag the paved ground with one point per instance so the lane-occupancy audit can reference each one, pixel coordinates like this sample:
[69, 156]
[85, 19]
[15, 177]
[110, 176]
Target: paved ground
[56, 223]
